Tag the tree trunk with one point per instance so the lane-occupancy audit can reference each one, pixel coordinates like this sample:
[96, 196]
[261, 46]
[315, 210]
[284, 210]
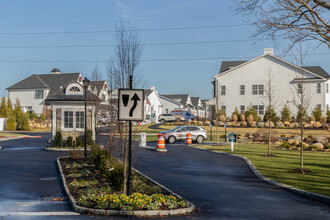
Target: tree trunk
[217, 131]
[301, 148]
[269, 132]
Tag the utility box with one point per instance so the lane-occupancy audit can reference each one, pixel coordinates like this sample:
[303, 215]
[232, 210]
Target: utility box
[143, 139]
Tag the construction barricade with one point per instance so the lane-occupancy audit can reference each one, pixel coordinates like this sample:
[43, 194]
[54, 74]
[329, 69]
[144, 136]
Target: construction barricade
[161, 143]
[188, 139]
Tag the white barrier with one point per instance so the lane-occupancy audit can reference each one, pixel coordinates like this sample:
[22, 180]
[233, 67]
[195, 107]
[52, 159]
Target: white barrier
[3, 123]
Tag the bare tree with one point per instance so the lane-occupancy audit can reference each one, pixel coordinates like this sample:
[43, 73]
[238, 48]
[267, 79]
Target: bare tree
[96, 74]
[269, 100]
[301, 100]
[123, 63]
[297, 20]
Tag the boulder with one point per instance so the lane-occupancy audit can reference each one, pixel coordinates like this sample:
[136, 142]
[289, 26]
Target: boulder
[296, 143]
[244, 124]
[261, 124]
[287, 123]
[294, 125]
[312, 122]
[308, 125]
[269, 123]
[252, 124]
[297, 138]
[321, 139]
[305, 145]
[291, 141]
[317, 124]
[278, 143]
[280, 124]
[237, 124]
[319, 146]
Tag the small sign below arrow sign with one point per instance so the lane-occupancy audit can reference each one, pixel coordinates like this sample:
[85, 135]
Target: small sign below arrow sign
[131, 104]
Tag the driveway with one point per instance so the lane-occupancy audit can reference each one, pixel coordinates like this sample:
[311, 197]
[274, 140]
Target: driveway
[223, 186]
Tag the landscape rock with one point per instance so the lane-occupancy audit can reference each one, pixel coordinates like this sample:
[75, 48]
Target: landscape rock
[291, 141]
[321, 139]
[269, 123]
[278, 143]
[261, 124]
[305, 145]
[308, 125]
[287, 123]
[280, 124]
[317, 124]
[319, 146]
[244, 124]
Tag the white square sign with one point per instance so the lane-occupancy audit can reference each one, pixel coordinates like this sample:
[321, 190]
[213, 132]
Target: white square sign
[131, 104]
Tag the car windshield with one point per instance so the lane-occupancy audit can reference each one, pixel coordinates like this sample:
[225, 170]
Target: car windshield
[176, 128]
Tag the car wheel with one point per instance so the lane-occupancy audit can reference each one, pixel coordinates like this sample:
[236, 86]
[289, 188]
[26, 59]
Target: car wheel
[162, 121]
[200, 139]
[171, 139]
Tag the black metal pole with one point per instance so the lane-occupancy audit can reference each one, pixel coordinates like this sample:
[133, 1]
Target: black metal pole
[225, 132]
[129, 183]
[211, 129]
[85, 147]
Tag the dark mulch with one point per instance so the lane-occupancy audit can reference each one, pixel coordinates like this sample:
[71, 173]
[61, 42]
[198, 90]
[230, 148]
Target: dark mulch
[298, 170]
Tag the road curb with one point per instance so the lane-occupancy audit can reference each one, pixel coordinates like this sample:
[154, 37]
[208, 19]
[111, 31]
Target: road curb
[315, 196]
[64, 149]
[145, 213]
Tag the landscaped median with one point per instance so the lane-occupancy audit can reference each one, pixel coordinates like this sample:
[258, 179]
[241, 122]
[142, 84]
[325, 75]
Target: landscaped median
[280, 168]
[95, 186]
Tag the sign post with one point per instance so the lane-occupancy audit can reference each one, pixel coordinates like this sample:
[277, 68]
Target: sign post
[232, 138]
[130, 108]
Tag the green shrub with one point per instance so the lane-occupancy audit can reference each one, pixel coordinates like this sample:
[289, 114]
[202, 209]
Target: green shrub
[33, 115]
[90, 140]
[286, 114]
[285, 145]
[317, 113]
[327, 147]
[272, 114]
[69, 142]
[251, 111]
[22, 122]
[313, 147]
[79, 142]
[11, 123]
[42, 117]
[236, 112]
[58, 140]
[3, 108]
[328, 116]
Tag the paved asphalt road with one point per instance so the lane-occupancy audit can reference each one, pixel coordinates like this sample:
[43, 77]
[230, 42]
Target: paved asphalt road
[221, 187]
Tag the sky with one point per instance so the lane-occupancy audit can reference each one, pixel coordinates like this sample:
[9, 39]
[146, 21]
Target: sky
[184, 41]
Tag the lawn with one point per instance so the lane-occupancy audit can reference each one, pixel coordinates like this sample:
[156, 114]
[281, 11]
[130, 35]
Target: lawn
[278, 168]
[10, 134]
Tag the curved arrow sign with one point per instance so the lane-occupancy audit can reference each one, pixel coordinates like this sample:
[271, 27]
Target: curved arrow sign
[131, 104]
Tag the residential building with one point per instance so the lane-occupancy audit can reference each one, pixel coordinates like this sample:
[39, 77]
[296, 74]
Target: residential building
[100, 89]
[153, 106]
[198, 107]
[33, 90]
[68, 110]
[169, 104]
[240, 84]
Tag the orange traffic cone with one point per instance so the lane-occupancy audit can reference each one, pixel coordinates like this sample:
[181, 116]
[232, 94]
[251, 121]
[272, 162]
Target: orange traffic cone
[161, 143]
[188, 139]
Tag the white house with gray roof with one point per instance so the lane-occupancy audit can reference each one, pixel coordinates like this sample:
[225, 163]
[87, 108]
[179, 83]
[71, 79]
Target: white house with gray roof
[33, 90]
[240, 84]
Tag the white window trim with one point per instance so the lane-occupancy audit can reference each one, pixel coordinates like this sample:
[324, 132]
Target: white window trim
[74, 119]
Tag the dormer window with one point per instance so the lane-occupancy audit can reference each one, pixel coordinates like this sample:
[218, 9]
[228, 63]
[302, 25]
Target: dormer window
[74, 89]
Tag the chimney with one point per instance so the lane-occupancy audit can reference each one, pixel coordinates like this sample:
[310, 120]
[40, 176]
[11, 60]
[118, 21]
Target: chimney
[269, 51]
[55, 71]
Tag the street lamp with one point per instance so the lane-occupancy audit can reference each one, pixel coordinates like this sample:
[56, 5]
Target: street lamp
[86, 84]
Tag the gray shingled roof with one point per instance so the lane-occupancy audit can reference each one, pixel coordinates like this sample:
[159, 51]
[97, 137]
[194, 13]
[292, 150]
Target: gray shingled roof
[46, 81]
[195, 101]
[317, 70]
[226, 65]
[182, 98]
[96, 84]
[61, 96]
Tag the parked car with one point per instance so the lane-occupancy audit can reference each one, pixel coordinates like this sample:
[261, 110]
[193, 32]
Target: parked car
[169, 117]
[186, 114]
[198, 134]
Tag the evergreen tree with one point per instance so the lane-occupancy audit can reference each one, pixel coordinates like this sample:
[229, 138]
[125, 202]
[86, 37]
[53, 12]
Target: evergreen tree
[9, 105]
[3, 108]
[25, 122]
[286, 114]
[317, 113]
[17, 109]
[251, 111]
[272, 114]
[11, 122]
[328, 116]
[236, 112]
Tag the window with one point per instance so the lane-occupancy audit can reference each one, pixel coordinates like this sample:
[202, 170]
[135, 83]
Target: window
[242, 108]
[39, 94]
[223, 90]
[299, 88]
[74, 89]
[103, 97]
[242, 89]
[327, 87]
[167, 110]
[318, 87]
[261, 89]
[261, 110]
[68, 119]
[223, 108]
[254, 89]
[80, 120]
[257, 89]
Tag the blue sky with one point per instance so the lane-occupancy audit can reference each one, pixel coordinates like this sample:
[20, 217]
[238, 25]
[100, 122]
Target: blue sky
[169, 77]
